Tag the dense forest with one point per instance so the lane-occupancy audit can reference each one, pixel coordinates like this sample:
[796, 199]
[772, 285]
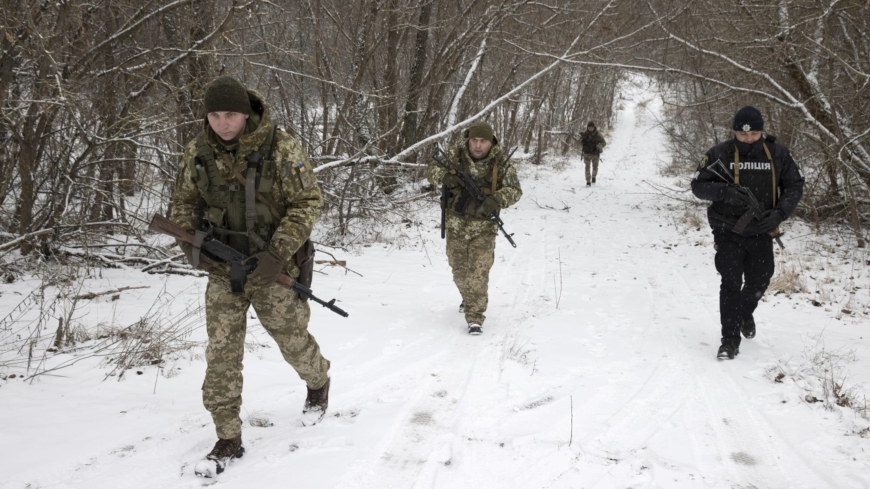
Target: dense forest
[98, 98]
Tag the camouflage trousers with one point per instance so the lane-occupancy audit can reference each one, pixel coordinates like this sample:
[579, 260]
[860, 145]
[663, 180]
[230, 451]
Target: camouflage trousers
[283, 315]
[471, 259]
[591, 160]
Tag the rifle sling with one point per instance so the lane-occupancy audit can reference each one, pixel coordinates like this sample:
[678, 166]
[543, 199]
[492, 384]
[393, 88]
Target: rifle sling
[494, 175]
[747, 216]
[251, 208]
[736, 165]
[259, 196]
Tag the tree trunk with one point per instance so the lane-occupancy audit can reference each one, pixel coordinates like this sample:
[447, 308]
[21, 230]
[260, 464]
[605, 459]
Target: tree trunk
[409, 124]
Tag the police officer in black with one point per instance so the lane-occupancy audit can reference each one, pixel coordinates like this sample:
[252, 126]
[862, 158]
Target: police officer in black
[747, 173]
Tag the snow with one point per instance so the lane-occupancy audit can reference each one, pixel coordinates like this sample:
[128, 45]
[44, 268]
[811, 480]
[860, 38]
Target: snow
[596, 368]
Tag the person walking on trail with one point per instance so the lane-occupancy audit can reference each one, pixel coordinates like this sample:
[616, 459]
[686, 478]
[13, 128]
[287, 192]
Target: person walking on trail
[593, 144]
[471, 234]
[211, 198]
[749, 171]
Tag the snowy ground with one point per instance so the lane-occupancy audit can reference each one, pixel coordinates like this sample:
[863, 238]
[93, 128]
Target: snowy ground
[597, 367]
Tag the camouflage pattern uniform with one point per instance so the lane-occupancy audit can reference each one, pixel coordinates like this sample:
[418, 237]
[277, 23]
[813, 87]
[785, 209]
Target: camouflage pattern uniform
[470, 238]
[593, 143]
[283, 314]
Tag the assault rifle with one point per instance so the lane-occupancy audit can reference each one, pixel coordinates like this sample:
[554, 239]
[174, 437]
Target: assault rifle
[240, 265]
[470, 191]
[755, 209]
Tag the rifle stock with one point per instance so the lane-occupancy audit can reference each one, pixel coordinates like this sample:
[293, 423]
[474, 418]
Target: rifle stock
[162, 225]
[240, 264]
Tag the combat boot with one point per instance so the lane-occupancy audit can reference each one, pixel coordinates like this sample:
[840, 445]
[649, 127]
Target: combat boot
[315, 405]
[729, 350]
[462, 307]
[475, 329]
[748, 327]
[220, 456]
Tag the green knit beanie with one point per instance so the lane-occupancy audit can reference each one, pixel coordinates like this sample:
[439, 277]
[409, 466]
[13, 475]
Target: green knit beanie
[481, 129]
[225, 94]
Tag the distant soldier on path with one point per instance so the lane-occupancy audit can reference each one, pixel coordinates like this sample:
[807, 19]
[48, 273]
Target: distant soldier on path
[471, 234]
[748, 172]
[212, 197]
[593, 144]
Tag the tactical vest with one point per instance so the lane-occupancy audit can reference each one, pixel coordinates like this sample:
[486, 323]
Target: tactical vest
[460, 201]
[226, 212]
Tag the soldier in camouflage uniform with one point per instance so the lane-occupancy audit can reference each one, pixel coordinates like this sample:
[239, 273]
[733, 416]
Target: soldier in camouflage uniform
[211, 197]
[471, 234]
[593, 143]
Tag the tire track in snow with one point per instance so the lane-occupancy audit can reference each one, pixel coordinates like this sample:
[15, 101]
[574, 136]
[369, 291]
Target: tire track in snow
[419, 441]
[472, 425]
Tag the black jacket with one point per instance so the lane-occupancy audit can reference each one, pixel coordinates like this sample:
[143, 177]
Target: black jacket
[755, 174]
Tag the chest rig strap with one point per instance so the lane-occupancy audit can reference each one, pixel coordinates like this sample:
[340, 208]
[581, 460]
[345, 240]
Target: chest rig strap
[744, 220]
[772, 168]
[494, 175]
[249, 182]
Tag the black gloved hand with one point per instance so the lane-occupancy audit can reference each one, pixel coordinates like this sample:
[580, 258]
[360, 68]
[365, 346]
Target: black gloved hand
[488, 206]
[269, 267]
[770, 220]
[452, 181]
[204, 262]
[737, 195]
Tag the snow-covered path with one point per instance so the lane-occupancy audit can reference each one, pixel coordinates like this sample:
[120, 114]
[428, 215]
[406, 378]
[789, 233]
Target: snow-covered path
[596, 369]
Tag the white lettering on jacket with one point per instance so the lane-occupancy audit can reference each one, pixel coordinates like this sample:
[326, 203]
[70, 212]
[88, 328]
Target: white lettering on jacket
[753, 165]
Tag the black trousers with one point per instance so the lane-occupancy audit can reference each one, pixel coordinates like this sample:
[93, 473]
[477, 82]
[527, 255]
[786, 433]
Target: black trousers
[746, 265]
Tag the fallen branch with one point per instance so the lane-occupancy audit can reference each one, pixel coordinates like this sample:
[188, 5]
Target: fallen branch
[565, 207]
[17, 241]
[94, 295]
[340, 263]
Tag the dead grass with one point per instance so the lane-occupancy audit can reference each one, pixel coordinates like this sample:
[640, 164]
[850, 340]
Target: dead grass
[823, 376]
[788, 279]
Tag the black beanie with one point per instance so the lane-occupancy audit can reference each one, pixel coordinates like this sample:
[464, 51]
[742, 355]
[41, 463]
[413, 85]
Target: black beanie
[591, 124]
[225, 94]
[748, 119]
[481, 129]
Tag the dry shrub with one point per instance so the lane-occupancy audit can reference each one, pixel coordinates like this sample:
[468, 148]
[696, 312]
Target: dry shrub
[259, 419]
[823, 376]
[692, 218]
[788, 279]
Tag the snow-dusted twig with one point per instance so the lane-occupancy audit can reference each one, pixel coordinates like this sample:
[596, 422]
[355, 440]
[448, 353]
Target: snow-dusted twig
[94, 295]
[454, 109]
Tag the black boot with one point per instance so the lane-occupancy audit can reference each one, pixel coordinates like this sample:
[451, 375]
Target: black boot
[220, 456]
[462, 307]
[315, 405]
[588, 184]
[748, 328]
[729, 350]
[593, 179]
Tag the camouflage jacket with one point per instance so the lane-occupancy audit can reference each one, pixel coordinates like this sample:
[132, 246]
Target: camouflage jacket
[294, 187]
[592, 142]
[507, 193]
